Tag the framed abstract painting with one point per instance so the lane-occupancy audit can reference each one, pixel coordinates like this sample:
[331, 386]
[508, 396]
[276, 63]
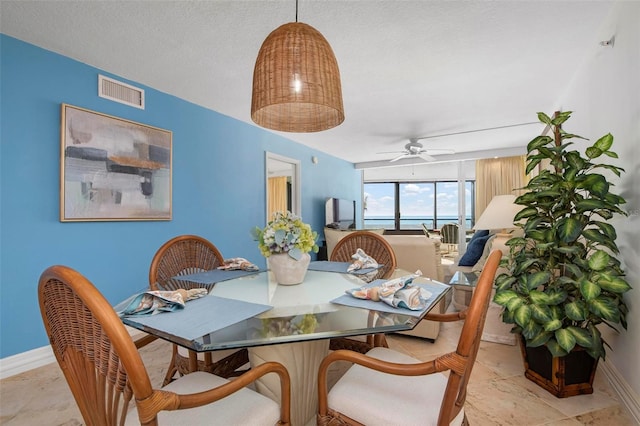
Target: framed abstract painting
[113, 169]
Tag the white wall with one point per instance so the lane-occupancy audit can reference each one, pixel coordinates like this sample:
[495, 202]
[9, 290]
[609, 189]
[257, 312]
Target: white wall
[605, 97]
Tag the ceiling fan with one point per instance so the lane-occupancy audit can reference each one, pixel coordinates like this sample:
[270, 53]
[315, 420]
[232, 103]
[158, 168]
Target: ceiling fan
[415, 149]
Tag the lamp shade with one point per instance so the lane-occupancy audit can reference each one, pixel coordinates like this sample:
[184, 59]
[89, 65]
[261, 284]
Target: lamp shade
[296, 82]
[499, 213]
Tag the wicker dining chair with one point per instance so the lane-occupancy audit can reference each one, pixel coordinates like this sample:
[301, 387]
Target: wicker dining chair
[378, 248]
[105, 371]
[449, 236]
[183, 255]
[387, 387]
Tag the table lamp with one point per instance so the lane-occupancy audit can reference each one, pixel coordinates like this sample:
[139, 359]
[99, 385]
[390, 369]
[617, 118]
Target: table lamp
[499, 215]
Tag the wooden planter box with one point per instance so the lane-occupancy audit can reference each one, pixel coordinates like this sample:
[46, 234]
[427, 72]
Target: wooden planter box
[561, 376]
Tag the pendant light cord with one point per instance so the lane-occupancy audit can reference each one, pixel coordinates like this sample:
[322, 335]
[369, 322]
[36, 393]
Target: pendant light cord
[296, 11]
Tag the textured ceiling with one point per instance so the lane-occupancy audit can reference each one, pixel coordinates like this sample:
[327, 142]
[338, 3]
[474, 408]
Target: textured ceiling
[408, 68]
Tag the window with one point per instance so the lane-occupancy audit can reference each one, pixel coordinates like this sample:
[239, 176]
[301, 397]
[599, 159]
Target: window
[405, 206]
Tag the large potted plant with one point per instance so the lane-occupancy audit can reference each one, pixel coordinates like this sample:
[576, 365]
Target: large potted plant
[563, 279]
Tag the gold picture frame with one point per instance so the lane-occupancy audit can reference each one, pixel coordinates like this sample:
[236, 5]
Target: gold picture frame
[112, 169]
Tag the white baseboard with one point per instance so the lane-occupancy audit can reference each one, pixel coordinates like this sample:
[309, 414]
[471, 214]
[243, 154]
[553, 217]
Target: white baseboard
[26, 361]
[628, 397]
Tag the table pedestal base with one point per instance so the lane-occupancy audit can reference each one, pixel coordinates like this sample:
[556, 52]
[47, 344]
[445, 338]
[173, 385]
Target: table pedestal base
[302, 360]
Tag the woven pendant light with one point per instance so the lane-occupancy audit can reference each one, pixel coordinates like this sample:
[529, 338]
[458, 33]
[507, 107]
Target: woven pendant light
[296, 82]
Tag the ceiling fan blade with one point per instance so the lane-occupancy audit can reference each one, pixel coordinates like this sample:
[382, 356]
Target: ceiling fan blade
[399, 157]
[390, 152]
[426, 157]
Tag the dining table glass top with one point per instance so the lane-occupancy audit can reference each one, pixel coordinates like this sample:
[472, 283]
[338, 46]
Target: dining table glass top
[261, 312]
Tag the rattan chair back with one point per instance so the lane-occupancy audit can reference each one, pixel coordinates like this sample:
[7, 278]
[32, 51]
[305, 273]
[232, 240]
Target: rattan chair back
[182, 255]
[96, 354]
[378, 248]
[373, 244]
[101, 362]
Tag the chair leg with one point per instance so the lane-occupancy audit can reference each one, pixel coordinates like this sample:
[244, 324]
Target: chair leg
[172, 369]
[380, 340]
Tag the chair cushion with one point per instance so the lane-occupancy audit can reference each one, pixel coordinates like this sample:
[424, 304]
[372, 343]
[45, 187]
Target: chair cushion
[244, 407]
[474, 251]
[375, 398]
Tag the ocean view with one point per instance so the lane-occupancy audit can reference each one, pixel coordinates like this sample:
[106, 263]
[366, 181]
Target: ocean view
[409, 222]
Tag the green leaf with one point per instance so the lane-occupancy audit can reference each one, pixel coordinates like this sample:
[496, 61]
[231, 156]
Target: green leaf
[604, 307]
[582, 336]
[569, 229]
[593, 152]
[524, 266]
[567, 249]
[542, 314]
[595, 183]
[608, 230]
[605, 142]
[576, 311]
[560, 118]
[514, 304]
[589, 290]
[589, 204]
[503, 297]
[565, 339]
[552, 325]
[525, 213]
[555, 348]
[537, 339]
[538, 279]
[522, 315]
[599, 260]
[615, 285]
[538, 142]
[556, 297]
[594, 235]
[544, 118]
[539, 297]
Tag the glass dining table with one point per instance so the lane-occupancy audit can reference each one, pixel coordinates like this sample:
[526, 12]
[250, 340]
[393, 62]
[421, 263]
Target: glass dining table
[288, 324]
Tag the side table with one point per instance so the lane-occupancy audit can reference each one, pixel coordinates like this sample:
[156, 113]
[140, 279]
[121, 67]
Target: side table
[463, 284]
[495, 330]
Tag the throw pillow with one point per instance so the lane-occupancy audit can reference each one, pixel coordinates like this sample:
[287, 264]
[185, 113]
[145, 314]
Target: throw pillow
[474, 251]
[485, 254]
[478, 234]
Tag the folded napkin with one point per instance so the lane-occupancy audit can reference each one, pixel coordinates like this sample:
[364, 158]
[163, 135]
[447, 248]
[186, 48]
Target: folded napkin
[155, 302]
[238, 263]
[362, 260]
[398, 292]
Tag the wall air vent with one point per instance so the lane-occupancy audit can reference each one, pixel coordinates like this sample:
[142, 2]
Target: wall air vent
[118, 91]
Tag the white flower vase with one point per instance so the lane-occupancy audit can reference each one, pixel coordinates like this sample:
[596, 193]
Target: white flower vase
[288, 271]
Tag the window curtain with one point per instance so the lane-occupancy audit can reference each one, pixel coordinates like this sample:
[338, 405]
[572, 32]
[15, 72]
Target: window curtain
[277, 201]
[498, 176]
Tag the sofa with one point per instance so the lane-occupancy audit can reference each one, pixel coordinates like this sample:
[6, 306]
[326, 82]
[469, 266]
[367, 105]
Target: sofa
[413, 252]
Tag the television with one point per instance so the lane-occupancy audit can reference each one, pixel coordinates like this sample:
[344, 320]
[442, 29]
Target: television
[340, 214]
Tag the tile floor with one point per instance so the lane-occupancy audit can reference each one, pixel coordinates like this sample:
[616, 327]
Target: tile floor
[498, 393]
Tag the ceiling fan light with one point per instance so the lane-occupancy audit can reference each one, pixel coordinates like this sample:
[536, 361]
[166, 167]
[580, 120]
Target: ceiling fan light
[296, 82]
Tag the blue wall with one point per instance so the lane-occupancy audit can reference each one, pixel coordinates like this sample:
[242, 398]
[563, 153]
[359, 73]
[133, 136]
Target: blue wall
[218, 186]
